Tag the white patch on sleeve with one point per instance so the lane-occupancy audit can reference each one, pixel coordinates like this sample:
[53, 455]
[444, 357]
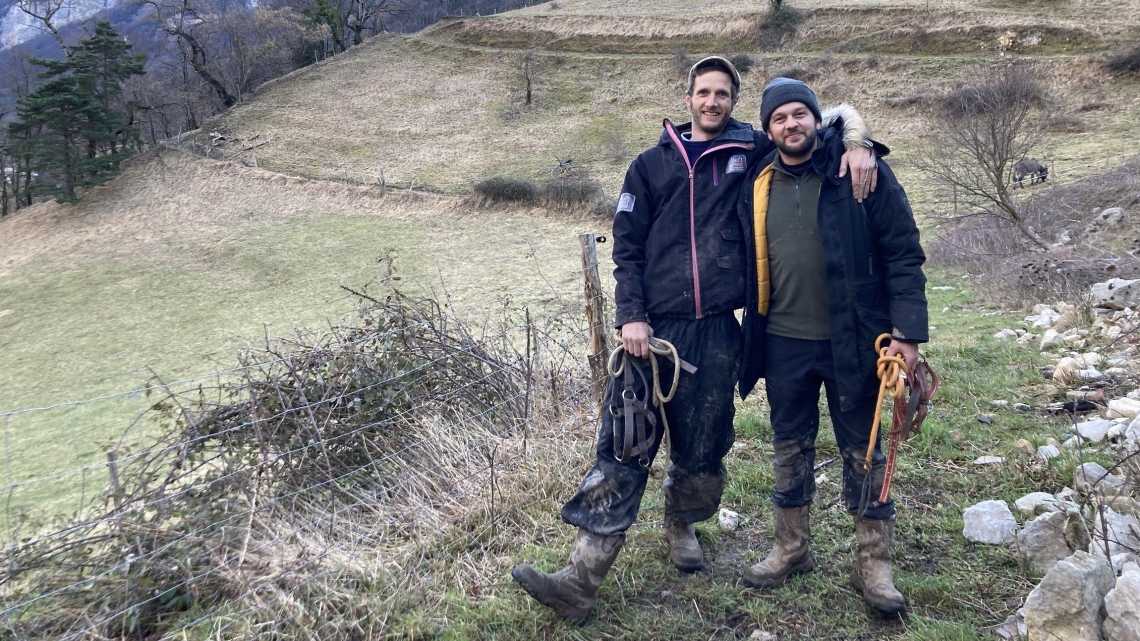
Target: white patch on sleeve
[625, 202]
[737, 164]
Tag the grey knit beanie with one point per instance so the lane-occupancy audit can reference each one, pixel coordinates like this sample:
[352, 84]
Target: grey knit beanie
[780, 92]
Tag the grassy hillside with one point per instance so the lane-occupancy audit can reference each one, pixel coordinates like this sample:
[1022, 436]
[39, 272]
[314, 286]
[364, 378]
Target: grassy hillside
[444, 108]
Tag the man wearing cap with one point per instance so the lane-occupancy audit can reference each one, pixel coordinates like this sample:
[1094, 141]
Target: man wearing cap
[679, 251]
[827, 276]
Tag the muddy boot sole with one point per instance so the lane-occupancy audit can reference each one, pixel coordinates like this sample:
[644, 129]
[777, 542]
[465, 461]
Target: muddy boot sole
[552, 594]
[803, 567]
[886, 609]
[688, 566]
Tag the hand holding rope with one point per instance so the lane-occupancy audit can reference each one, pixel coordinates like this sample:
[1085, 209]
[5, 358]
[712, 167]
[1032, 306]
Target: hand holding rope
[909, 413]
[635, 412]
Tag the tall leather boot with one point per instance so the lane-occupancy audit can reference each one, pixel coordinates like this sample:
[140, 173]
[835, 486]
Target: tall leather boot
[871, 575]
[571, 591]
[791, 554]
[684, 549]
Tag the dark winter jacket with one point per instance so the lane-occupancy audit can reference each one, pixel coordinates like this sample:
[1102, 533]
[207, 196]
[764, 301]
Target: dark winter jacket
[678, 242]
[875, 282]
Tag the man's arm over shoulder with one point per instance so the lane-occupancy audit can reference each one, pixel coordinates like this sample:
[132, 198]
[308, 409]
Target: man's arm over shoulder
[900, 256]
[631, 231]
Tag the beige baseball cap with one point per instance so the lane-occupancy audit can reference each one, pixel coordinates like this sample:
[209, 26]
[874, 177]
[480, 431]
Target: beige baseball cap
[718, 63]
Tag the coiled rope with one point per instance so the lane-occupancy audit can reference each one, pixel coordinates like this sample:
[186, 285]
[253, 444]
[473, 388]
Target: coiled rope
[626, 369]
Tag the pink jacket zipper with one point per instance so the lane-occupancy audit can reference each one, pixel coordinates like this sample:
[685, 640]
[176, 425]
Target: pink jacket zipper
[692, 206]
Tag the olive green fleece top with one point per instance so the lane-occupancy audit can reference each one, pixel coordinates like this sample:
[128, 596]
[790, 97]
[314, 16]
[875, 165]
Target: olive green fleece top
[798, 268]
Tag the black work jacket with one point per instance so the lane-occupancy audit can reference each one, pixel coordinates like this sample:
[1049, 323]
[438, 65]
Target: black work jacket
[875, 282]
[678, 242]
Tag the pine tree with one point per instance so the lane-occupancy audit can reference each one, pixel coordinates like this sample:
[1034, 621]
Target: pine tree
[72, 129]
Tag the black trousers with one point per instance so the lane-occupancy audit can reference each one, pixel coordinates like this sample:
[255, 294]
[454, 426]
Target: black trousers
[700, 434]
[794, 371]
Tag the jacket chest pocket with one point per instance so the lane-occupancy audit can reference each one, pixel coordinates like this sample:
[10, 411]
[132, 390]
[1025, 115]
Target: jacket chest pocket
[731, 252]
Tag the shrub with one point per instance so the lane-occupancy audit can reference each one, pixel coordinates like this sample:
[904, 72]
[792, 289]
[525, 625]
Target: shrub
[797, 73]
[743, 62]
[571, 195]
[500, 189]
[1065, 124]
[1016, 85]
[1125, 62]
[682, 62]
[779, 21]
[616, 146]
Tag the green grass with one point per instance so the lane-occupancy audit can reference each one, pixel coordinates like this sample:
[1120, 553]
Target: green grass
[95, 326]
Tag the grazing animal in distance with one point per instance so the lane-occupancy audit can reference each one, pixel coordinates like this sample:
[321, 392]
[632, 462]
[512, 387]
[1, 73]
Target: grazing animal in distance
[1029, 167]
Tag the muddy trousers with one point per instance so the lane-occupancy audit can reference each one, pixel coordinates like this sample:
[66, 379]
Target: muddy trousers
[794, 371]
[701, 434]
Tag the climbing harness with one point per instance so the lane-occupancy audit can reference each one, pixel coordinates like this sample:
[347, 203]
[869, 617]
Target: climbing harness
[639, 424]
[911, 405]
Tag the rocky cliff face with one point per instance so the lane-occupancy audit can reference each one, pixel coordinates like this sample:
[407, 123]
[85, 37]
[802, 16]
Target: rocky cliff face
[17, 27]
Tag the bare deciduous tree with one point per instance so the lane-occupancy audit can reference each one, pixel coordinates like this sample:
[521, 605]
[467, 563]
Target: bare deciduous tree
[528, 69]
[231, 48]
[45, 11]
[978, 133]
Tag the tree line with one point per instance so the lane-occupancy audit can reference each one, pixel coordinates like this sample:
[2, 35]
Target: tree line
[152, 70]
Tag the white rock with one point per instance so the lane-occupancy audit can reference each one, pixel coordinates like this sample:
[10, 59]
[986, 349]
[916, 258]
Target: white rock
[1123, 533]
[1065, 372]
[995, 403]
[1027, 505]
[1043, 318]
[1050, 538]
[1090, 374]
[1093, 431]
[1071, 442]
[1066, 494]
[821, 479]
[989, 522]
[1046, 452]
[1005, 334]
[1050, 339]
[762, 635]
[1116, 293]
[1134, 394]
[1116, 431]
[1121, 559]
[1133, 429]
[1123, 407]
[1090, 359]
[1116, 371]
[1026, 338]
[1122, 606]
[728, 519]
[939, 288]
[987, 460]
[1066, 605]
[1012, 629]
[1088, 476]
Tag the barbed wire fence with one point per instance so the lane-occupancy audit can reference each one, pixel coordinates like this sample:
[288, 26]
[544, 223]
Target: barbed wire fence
[321, 486]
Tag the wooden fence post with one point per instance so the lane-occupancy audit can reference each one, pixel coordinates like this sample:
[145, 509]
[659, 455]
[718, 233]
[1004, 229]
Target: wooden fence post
[595, 316]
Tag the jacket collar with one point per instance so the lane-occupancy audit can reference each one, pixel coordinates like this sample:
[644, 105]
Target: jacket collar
[734, 131]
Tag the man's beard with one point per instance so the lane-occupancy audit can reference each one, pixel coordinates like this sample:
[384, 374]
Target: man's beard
[802, 148]
[698, 120]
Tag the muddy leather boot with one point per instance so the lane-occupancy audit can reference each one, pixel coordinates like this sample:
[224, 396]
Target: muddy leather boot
[871, 575]
[684, 549]
[571, 591]
[791, 553]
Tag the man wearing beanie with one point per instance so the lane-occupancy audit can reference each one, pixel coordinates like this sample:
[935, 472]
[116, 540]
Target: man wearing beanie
[679, 252]
[827, 276]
